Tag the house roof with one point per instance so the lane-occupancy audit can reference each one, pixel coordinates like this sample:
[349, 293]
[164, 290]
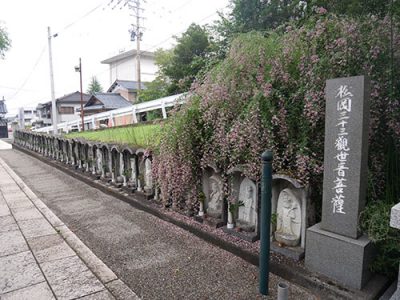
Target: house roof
[126, 54]
[3, 107]
[74, 97]
[107, 101]
[131, 86]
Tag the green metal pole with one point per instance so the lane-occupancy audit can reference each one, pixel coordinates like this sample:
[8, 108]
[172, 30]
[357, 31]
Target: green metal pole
[265, 220]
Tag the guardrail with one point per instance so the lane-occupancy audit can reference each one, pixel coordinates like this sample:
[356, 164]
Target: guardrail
[90, 121]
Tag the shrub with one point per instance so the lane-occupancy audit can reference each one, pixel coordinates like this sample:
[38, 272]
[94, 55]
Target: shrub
[269, 93]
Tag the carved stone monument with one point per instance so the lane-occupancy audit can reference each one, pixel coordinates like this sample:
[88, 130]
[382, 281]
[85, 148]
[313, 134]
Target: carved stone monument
[247, 213]
[148, 178]
[288, 228]
[215, 197]
[215, 208]
[290, 207]
[133, 171]
[334, 246]
[99, 162]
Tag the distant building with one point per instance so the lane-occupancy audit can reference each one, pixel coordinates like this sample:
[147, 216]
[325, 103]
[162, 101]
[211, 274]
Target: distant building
[126, 88]
[3, 120]
[27, 116]
[123, 66]
[100, 102]
[43, 112]
[68, 109]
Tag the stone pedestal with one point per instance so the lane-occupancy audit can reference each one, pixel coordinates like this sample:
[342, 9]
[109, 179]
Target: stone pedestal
[338, 257]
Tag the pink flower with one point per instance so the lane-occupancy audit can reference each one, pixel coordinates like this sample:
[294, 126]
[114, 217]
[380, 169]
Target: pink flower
[321, 10]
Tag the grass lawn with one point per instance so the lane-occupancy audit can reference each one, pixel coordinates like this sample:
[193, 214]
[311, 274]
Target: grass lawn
[145, 136]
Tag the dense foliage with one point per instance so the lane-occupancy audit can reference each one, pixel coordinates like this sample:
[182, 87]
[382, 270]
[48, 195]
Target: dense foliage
[5, 41]
[269, 93]
[256, 15]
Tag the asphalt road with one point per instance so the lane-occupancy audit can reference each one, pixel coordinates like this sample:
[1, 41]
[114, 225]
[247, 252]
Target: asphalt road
[156, 259]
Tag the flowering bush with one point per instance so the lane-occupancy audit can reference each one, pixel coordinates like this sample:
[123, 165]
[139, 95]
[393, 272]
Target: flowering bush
[269, 94]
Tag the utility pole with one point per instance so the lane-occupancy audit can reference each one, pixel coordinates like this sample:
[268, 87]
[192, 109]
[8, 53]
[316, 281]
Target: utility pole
[136, 34]
[138, 38]
[53, 97]
[79, 69]
[136, 31]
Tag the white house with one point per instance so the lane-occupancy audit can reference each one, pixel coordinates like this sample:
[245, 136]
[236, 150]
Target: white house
[123, 66]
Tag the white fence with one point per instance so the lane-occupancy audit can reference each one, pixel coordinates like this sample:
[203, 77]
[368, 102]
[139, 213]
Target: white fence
[91, 121]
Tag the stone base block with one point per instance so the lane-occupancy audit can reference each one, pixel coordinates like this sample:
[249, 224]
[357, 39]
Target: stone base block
[296, 253]
[213, 222]
[343, 259]
[244, 235]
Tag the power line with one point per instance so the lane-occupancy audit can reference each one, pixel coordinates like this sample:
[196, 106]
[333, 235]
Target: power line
[30, 73]
[80, 18]
[17, 88]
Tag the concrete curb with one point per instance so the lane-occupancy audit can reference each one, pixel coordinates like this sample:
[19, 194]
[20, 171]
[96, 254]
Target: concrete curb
[105, 275]
[326, 288]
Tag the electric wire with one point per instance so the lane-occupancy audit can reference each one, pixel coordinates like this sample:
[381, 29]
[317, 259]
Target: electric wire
[30, 73]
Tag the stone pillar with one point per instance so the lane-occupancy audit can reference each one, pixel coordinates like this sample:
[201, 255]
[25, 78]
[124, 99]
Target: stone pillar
[121, 164]
[164, 111]
[134, 117]
[110, 165]
[335, 247]
[395, 223]
[148, 178]
[133, 170]
[99, 160]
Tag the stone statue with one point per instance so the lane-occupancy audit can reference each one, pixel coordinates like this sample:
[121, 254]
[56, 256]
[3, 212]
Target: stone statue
[121, 164]
[99, 161]
[215, 199]
[148, 179]
[133, 170]
[247, 195]
[288, 219]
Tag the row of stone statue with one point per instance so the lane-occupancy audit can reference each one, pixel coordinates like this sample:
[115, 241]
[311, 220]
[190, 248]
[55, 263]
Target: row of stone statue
[123, 165]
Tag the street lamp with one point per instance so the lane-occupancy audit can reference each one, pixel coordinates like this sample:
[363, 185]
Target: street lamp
[79, 69]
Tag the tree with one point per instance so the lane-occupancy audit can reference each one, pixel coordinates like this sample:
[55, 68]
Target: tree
[178, 67]
[186, 60]
[156, 89]
[265, 15]
[5, 42]
[94, 86]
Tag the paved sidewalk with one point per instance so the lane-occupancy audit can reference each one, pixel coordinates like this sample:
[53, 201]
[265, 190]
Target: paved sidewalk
[4, 145]
[40, 258]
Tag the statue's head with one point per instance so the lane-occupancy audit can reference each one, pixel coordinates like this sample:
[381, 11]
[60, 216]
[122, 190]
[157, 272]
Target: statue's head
[214, 183]
[249, 192]
[287, 201]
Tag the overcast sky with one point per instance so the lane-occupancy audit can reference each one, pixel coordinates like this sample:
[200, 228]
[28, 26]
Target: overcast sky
[91, 29]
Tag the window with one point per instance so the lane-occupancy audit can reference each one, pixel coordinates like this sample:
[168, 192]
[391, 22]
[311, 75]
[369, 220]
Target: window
[66, 110]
